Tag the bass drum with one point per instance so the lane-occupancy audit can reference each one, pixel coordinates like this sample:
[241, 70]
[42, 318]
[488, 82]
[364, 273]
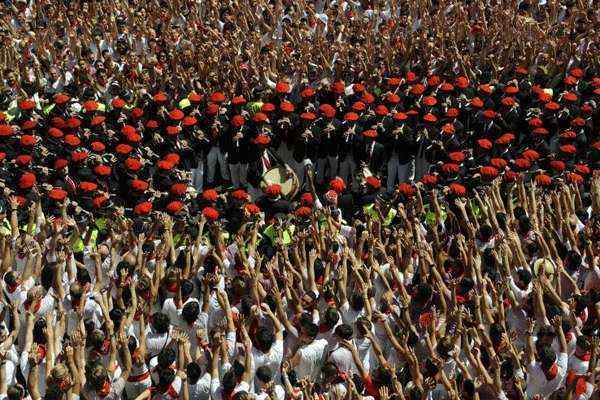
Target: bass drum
[284, 177]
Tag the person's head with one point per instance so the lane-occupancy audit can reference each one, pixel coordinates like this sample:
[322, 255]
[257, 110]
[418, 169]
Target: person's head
[363, 325]
[331, 317]
[264, 375]
[308, 300]
[15, 392]
[344, 332]
[423, 293]
[190, 312]
[547, 357]
[166, 358]
[60, 377]
[160, 322]
[329, 371]
[264, 339]
[357, 301]
[523, 278]
[194, 372]
[308, 332]
[524, 224]
[165, 377]
[572, 261]
[38, 331]
[485, 233]
[546, 335]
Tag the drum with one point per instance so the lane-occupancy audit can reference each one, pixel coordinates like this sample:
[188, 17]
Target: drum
[285, 177]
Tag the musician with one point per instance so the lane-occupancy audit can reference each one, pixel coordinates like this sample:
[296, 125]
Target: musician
[272, 204]
[216, 155]
[305, 147]
[238, 149]
[327, 152]
[400, 152]
[261, 159]
[369, 151]
[348, 139]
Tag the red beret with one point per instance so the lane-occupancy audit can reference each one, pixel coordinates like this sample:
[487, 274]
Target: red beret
[262, 139]
[489, 114]
[476, 102]
[143, 208]
[489, 172]
[127, 130]
[484, 144]
[462, 82]
[450, 168]
[238, 100]
[429, 117]
[523, 163]
[452, 113]
[351, 117]
[308, 116]
[337, 185]
[217, 97]
[252, 209]
[457, 189]
[307, 199]
[118, 102]
[273, 190]
[165, 165]
[570, 97]
[338, 87]
[429, 101]
[557, 165]
[578, 122]
[552, 106]
[237, 121]
[27, 180]
[178, 189]
[511, 90]
[72, 140]
[392, 98]
[446, 87]
[582, 169]
[521, 71]
[23, 160]
[574, 178]
[139, 185]
[576, 72]
[210, 195]
[267, 107]
[57, 194]
[99, 201]
[172, 130]
[381, 110]
[541, 131]
[73, 123]
[123, 148]
[508, 101]
[407, 189]
[505, 138]
[543, 180]
[152, 124]
[327, 110]
[417, 89]
[102, 170]
[358, 88]
[2, 155]
[531, 155]
[370, 133]
[286, 106]
[411, 77]
[210, 213]
[570, 80]
[212, 109]
[544, 97]
[176, 114]
[307, 92]
[160, 97]
[394, 81]
[448, 129]
[511, 176]
[195, 97]
[239, 194]
[282, 87]
[485, 88]
[28, 140]
[367, 98]
[429, 180]
[359, 106]
[90, 106]
[174, 207]
[133, 164]
[373, 182]
[303, 212]
[433, 80]
[6, 130]
[172, 157]
[29, 124]
[26, 105]
[60, 163]
[499, 163]
[400, 116]
[457, 156]
[77, 156]
[88, 186]
[97, 120]
[568, 149]
[134, 138]
[137, 113]
[259, 117]
[61, 98]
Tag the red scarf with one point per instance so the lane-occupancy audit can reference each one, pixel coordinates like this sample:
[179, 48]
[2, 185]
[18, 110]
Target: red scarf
[12, 288]
[580, 382]
[551, 372]
[27, 304]
[105, 389]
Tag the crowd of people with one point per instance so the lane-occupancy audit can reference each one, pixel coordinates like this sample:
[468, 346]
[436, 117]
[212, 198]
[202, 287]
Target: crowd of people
[442, 240]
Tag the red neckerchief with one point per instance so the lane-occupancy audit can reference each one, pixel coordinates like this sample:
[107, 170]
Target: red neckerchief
[27, 304]
[41, 349]
[551, 373]
[172, 287]
[340, 378]
[105, 389]
[587, 356]
[12, 288]
[580, 382]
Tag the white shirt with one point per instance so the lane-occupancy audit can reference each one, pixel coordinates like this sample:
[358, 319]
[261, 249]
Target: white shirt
[272, 359]
[537, 382]
[311, 359]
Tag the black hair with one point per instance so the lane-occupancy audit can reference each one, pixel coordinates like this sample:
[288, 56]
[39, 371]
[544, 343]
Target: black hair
[83, 276]
[312, 330]
[344, 331]
[166, 357]
[194, 372]
[165, 377]
[264, 374]
[47, 276]
[190, 312]
[524, 276]
[160, 322]
[486, 232]
[54, 392]
[331, 317]
[229, 380]
[264, 338]
[423, 293]
[547, 356]
[573, 260]
[357, 301]
[38, 331]
[187, 287]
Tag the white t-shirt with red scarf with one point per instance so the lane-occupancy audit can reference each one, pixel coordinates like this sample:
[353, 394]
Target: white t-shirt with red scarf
[544, 384]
